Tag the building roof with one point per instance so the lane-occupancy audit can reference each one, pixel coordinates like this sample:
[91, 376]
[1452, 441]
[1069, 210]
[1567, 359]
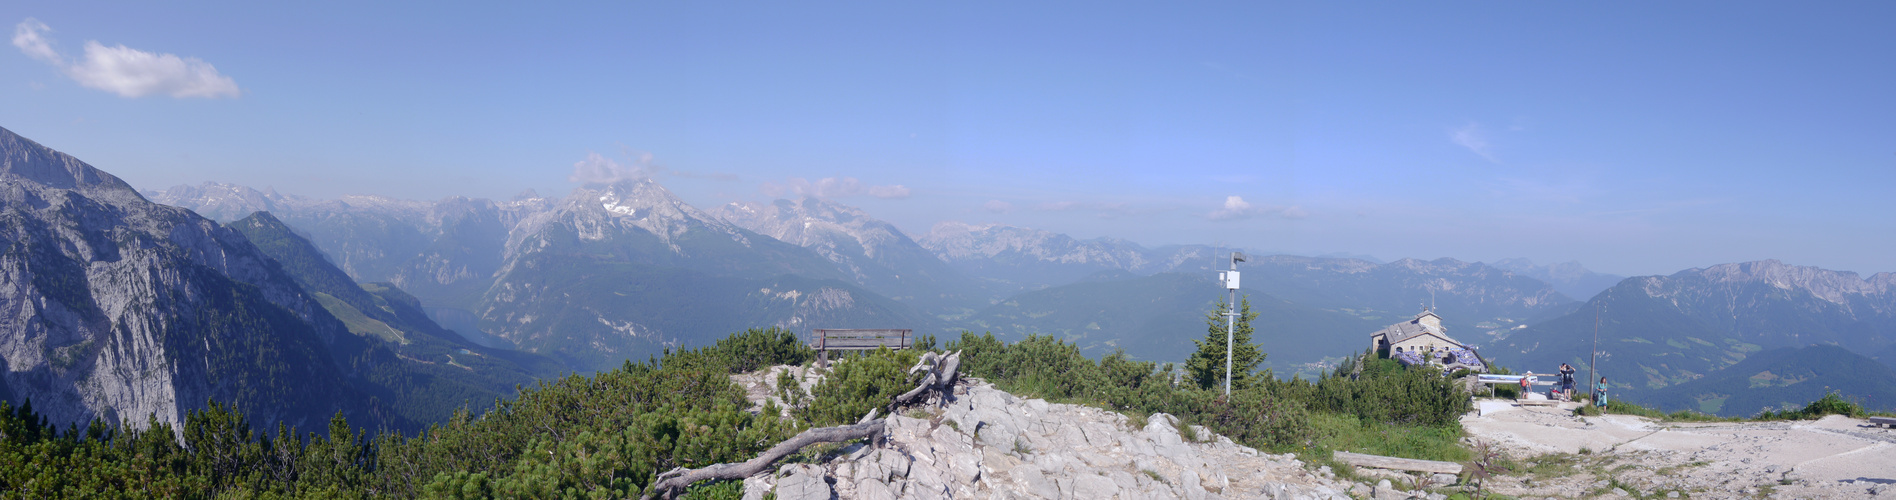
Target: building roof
[1400, 332]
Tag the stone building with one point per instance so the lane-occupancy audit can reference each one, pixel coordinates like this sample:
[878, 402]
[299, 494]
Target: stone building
[1423, 340]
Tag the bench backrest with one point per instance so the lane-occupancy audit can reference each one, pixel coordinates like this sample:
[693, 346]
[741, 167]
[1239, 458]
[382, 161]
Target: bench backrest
[858, 339]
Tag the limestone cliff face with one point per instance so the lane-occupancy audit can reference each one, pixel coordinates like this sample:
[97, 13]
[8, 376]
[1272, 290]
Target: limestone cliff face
[119, 308]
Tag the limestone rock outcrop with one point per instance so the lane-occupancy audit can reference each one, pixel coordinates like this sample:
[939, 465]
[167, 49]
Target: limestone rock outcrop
[987, 443]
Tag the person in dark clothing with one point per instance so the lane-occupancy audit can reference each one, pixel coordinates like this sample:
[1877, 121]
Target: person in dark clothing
[1566, 380]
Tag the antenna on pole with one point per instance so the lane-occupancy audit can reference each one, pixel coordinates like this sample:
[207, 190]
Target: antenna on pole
[1230, 279]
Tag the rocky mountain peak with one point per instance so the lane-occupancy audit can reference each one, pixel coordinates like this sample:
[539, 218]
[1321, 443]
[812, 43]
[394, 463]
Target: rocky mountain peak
[634, 203]
[121, 308]
[814, 223]
[24, 160]
[1830, 285]
[220, 201]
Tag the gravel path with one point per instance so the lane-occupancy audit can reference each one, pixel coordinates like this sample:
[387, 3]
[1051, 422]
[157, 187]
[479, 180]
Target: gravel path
[1564, 456]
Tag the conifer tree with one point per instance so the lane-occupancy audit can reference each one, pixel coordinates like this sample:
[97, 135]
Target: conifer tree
[1207, 365]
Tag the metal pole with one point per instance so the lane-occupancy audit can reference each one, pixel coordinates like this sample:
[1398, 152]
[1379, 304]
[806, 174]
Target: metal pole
[1231, 322]
[1593, 363]
[1230, 279]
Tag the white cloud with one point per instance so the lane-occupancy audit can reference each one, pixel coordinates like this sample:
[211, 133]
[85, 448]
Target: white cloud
[29, 37]
[597, 169]
[126, 71]
[1471, 136]
[1235, 208]
[834, 187]
[997, 206]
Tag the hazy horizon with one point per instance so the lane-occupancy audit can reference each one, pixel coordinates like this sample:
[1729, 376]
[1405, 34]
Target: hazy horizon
[1640, 140]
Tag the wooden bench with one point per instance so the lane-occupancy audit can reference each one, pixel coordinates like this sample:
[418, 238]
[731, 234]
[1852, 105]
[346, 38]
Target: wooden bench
[856, 340]
[1883, 421]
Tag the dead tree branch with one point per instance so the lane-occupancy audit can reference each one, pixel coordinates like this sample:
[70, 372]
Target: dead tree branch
[671, 483]
[941, 376]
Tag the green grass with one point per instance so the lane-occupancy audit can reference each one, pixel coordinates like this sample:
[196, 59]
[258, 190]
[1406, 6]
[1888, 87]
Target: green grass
[1347, 433]
[1552, 465]
[356, 322]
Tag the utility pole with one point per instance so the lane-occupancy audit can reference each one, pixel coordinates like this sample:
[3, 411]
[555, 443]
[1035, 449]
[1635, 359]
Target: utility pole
[1592, 376]
[1230, 279]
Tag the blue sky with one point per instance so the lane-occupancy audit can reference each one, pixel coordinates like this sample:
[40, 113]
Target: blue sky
[1637, 139]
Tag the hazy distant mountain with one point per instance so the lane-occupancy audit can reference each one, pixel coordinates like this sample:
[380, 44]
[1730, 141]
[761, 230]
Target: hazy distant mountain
[1886, 356]
[119, 308]
[871, 252]
[1780, 378]
[1658, 331]
[1570, 278]
[1478, 303]
[1011, 259]
[1312, 308]
[426, 371]
[1157, 317]
[624, 270]
[509, 272]
[445, 252]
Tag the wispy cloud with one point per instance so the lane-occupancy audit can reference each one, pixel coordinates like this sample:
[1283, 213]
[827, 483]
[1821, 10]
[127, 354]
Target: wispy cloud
[834, 187]
[30, 37]
[126, 71]
[598, 169]
[1235, 208]
[997, 206]
[1472, 136]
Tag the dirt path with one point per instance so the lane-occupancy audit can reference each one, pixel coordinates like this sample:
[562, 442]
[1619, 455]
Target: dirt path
[1560, 455]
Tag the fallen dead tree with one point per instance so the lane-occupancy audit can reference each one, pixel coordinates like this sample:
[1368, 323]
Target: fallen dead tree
[940, 378]
[941, 372]
[673, 482]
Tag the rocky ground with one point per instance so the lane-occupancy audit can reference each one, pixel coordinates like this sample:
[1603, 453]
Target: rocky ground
[986, 443]
[1618, 456]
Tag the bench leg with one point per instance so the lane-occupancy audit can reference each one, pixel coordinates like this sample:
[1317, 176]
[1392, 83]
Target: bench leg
[822, 359]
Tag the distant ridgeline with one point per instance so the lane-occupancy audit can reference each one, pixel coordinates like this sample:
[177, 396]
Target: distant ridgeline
[1729, 339]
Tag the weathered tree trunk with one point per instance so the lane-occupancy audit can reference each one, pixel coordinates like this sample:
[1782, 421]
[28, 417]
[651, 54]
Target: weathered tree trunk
[671, 483]
[941, 375]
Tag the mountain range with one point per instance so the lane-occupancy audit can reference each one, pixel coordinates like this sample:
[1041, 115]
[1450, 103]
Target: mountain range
[1660, 331]
[620, 271]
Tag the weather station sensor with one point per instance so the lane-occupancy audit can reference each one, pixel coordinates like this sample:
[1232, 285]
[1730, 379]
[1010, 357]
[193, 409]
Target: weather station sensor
[1230, 279]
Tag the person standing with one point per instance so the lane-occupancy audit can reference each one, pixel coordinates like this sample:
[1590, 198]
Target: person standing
[1599, 394]
[1566, 381]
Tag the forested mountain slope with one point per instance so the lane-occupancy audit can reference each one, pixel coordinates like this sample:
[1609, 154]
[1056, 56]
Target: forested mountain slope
[436, 370]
